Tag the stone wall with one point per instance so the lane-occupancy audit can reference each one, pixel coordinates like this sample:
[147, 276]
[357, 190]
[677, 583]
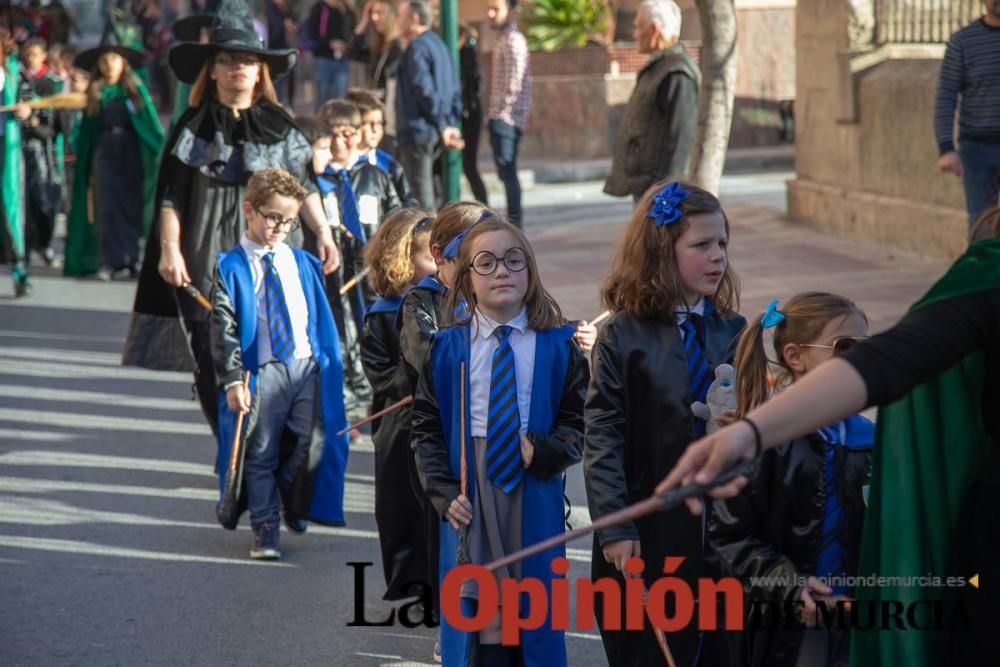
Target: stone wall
[872, 173]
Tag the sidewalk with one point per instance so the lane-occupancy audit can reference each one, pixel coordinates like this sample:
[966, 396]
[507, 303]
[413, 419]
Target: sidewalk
[774, 257]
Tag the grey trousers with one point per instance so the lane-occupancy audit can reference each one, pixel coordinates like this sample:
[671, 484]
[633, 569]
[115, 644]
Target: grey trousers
[285, 399]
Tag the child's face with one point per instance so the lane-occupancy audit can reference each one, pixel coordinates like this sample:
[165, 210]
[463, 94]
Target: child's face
[322, 154]
[701, 255]
[270, 224]
[33, 58]
[502, 290]
[372, 130]
[804, 358]
[345, 144]
[423, 261]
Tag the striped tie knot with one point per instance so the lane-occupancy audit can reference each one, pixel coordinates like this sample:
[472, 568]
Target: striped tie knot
[503, 424]
[279, 322]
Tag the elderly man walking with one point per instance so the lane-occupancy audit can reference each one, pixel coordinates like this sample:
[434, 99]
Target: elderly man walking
[428, 99]
[657, 129]
[971, 71]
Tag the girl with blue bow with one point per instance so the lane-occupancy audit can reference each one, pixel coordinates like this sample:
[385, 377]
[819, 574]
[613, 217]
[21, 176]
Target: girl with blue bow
[798, 524]
[674, 297]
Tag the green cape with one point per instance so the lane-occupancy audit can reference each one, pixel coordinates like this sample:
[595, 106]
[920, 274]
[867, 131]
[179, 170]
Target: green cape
[930, 447]
[12, 198]
[83, 254]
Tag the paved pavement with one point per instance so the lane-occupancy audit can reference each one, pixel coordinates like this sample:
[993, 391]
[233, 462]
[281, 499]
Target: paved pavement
[109, 552]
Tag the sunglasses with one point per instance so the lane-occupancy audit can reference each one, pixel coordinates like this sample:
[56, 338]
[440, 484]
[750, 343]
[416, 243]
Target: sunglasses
[840, 345]
[227, 58]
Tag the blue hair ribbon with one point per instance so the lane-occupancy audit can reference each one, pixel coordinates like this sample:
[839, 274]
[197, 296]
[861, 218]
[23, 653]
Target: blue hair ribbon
[772, 316]
[455, 245]
[666, 208]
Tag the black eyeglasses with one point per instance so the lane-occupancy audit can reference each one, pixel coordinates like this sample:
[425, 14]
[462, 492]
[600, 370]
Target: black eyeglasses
[275, 221]
[485, 263]
[840, 345]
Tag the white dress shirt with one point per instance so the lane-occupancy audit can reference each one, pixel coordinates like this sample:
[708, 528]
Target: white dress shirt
[295, 298]
[483, 345]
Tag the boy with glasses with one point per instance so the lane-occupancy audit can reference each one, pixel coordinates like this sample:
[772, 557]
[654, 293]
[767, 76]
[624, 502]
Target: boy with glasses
[277, 357]
[372, 134]
[357, 196]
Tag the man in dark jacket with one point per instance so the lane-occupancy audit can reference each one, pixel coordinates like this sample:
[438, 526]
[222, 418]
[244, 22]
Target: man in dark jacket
[656, 130]
[428, 99]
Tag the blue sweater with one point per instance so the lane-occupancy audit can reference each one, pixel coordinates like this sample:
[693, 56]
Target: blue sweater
[429, 95]
[971, 69]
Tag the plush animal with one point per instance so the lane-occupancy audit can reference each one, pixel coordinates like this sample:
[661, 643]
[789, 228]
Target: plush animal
[720, 398]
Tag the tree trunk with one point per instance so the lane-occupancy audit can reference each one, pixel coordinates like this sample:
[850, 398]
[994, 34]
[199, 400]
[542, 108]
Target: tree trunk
[718, 88]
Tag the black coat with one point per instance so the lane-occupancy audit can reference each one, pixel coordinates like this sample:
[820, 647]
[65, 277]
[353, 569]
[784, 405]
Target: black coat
[638, 423]
[773, 529]
[399, 511]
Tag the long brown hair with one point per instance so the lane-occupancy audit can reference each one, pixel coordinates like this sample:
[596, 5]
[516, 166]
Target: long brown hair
[543, 311]
[382, 43]
[204, 88]
[806, 315]
[644, 279]
[96, 85]
[390, 252]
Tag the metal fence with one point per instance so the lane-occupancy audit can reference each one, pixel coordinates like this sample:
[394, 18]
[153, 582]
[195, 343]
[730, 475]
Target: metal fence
[922, 21]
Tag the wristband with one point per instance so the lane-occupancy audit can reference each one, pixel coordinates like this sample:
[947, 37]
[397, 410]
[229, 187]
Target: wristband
[758, 444]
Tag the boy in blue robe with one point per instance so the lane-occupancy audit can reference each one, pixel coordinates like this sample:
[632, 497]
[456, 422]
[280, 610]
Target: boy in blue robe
[271, 319]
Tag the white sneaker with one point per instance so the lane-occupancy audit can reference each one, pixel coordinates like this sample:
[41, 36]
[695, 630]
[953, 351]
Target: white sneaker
[437, 651]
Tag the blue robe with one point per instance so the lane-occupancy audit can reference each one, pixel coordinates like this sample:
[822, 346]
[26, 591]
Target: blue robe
[327, 461]
[543, 500]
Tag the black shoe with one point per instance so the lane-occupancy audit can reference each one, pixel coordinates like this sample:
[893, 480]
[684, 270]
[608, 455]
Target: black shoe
[265, 542]
[22, 287]
[294, 523]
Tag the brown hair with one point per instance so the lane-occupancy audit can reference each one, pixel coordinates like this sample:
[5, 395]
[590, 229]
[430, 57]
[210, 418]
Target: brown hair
[543, 311]
[365, 100]
[382, 43]
[987, 226]
[806, 315]
[312, 129]
[339, 112]
[390, 252]
[96, 85]
[203, 87]
[266, 183]
[644, 280]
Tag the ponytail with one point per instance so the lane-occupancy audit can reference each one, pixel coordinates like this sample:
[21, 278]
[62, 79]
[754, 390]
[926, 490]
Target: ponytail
[751, 368]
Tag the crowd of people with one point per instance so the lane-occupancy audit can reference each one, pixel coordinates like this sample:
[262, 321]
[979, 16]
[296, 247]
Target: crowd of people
[288, 263]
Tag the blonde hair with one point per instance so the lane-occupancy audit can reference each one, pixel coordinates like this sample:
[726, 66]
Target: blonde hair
[390, 252]
[266, 183]
[543, 311]
[203, 87]
[806, 315]
[644, 279]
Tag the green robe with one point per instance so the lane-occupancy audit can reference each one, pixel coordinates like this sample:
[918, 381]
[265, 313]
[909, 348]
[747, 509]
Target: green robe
[12, 195]
[930, 447]
[83, 256]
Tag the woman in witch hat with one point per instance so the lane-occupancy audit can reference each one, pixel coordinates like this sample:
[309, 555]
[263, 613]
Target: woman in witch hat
[117, 146]
[234, 127]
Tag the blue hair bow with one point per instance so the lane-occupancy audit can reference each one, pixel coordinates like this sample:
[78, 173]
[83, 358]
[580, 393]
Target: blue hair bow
[666, 204]
[772, 316]
[451, 250]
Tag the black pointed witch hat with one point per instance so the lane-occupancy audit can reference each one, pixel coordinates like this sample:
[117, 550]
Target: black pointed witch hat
[189, 29]
[118, 37]
[232, 30]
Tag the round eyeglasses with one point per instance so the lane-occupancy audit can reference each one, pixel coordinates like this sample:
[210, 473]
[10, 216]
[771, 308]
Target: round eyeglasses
[275, 221]
[485, 263]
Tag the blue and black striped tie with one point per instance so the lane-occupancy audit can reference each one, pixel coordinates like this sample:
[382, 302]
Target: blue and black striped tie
[349, 205]
[279, 322]
[503, 426]
[697, 364]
